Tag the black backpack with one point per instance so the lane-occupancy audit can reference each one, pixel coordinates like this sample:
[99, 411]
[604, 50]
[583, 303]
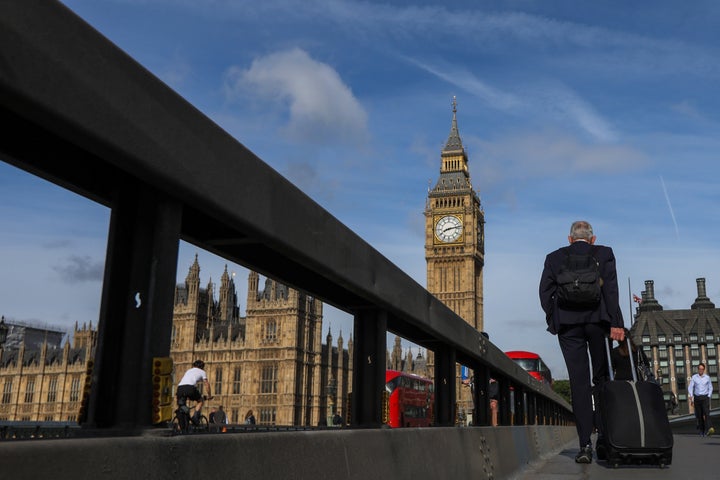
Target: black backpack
[579, 281]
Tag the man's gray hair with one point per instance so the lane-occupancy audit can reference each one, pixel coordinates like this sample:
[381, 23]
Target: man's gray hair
[581, 230]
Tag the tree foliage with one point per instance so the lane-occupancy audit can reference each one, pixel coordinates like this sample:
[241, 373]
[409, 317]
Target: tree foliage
[562, 388]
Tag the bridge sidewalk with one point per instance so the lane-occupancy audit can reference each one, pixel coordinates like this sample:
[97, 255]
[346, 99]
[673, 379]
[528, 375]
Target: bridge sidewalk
[693, 457]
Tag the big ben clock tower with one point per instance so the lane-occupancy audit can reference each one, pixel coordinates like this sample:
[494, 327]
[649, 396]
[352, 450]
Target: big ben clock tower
[454, 234]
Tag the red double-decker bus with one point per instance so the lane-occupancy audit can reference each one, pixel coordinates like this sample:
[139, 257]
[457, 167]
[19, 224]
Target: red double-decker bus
[533, 364]
[409, 400]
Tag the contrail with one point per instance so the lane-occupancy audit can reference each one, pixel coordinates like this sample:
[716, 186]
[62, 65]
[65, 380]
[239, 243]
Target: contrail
[672, 214]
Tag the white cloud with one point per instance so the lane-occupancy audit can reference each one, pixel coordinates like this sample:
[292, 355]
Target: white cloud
[321, 106]
[558, 100]
[550, 100]
[470, 83]
[548, 153]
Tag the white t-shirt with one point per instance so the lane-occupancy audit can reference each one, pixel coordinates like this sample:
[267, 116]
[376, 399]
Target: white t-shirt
[193, 376]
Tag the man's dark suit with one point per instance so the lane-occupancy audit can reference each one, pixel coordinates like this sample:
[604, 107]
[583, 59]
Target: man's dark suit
[580, 331]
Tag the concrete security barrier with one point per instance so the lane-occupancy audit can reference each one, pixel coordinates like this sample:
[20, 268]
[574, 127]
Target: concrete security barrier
[428, 453]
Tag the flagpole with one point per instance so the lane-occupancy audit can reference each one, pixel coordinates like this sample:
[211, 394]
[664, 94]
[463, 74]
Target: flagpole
[630, 302]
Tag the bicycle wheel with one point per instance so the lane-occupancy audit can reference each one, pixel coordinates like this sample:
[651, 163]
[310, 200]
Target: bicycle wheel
[202, 425]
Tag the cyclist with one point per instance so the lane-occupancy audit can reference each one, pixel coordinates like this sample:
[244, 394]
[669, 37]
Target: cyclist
[187, 388]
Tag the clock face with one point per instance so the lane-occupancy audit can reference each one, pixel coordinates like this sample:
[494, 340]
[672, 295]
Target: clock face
[448, 229]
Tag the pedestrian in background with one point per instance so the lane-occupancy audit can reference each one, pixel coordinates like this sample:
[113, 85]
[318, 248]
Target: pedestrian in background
[700, 390]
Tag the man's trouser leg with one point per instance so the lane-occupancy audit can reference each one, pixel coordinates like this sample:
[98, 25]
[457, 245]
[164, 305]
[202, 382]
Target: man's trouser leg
[574, 349]
[702, 413]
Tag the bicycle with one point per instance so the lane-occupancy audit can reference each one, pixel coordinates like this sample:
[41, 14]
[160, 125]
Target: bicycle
[183, 423]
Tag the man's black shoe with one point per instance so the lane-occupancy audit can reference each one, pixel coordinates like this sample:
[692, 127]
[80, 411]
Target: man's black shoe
[584, 455]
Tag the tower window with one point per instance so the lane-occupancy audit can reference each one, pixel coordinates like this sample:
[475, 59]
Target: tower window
[52, 389]
[268, 415]
[75, 390]
[7, 391]
[218, 380]
[236, 381]
[29, 390]
[268, 379]
[270, 333]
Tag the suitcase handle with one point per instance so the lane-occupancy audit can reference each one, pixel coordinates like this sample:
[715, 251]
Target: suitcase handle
[630, 355]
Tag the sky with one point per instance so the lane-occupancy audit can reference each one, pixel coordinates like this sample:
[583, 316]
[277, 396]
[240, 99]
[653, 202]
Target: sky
[604, 111]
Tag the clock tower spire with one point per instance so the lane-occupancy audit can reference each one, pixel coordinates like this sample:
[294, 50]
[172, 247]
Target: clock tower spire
[454, 237]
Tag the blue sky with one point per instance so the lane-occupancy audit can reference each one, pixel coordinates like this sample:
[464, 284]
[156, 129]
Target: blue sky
[606, 111]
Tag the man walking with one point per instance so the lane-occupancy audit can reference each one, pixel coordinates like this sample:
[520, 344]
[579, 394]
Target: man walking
[579, 294]
[700, 390]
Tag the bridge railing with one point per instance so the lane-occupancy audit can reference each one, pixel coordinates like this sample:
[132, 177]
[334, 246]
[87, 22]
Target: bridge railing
[81, 113]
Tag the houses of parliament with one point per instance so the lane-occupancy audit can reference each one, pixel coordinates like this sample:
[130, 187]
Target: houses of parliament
[274, 360]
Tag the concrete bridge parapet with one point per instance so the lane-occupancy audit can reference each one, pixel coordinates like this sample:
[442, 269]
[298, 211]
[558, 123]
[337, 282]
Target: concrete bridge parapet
[430, 453]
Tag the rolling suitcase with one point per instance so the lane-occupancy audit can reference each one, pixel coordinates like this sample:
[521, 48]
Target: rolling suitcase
[635, 423]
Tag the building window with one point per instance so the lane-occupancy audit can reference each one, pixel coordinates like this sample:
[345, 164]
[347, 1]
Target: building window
[661, 338]
[218, 381]
[268, 379]
[74, 392]
[52, 389]
[234, 415]
[48, 418]
[677, 338]
[712, 368]
[29, 390]
[7, 391]
[662, 352]
[271, 330]
[236, 381]
[711, 350]
[678, 352]
[679, 363]
[694, 350]
[709, 337]
[646, 339]
[693, 337]
[267, 416]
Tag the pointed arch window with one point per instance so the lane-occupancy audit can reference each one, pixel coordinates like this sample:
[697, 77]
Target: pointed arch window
[270, 333]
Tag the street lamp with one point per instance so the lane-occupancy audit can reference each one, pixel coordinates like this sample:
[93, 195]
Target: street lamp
[3, 335]
[3, 331]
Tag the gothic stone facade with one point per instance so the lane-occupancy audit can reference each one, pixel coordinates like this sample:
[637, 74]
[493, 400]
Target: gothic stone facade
[42, 380]
[271, 361]
[676, 341]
